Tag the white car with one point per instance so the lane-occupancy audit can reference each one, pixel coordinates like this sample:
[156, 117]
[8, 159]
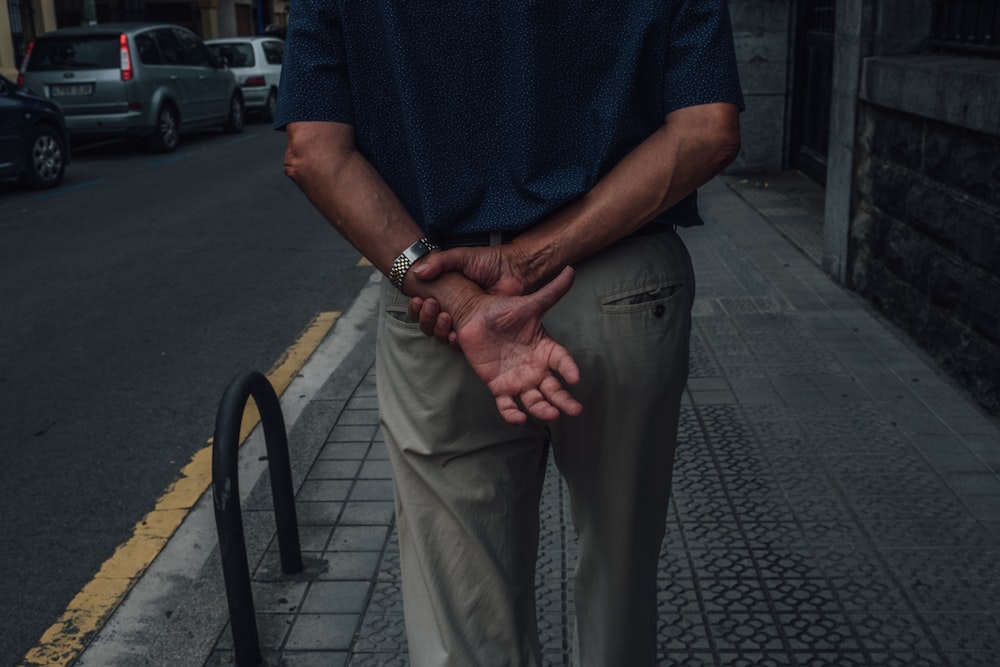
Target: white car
[256, 62]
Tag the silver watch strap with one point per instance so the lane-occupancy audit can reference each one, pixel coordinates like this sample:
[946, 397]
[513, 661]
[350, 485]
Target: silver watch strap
[406, 260]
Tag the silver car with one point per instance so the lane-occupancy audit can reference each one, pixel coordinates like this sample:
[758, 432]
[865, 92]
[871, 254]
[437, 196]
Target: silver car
[135, 80]
[256, 62]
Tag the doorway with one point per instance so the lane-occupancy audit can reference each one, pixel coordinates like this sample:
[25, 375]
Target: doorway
[812, 87]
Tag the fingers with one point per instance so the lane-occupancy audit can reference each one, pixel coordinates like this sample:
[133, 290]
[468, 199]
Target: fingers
[550, 401]
[443, 329]
[559, 397]
[432, 320]
[441, 261]
[550, 293]
[562, 362]
[427, 315]
[547, 403]
[509, 410]
[413, 308]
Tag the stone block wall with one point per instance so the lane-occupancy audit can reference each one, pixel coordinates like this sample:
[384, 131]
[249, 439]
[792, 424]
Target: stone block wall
[762, 38]
[925, 234]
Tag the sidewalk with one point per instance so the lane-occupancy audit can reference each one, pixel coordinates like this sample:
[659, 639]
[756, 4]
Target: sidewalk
[836, 500]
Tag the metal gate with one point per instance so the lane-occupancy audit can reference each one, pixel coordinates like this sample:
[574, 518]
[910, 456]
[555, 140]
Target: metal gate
[813, 86]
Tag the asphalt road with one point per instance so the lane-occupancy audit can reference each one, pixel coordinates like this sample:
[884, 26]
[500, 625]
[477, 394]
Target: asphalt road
[129, 297]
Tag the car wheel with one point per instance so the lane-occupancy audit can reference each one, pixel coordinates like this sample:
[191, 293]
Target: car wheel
[167, 134]
[270, 106]
[237, 117]
[46, 161]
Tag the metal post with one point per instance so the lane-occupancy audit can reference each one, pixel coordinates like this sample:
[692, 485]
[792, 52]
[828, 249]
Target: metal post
[228, 516]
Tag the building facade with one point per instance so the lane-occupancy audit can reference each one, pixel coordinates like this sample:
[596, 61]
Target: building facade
[894, 107]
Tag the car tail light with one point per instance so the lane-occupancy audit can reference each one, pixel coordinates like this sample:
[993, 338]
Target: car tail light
[126, 59]
[254, 81]
[24, 63]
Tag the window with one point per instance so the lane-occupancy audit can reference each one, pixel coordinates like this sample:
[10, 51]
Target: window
[170, 48]
[149, 52]
[234, 54]
[94, 52]
[967, 25]
[274, 51]
[193, 52]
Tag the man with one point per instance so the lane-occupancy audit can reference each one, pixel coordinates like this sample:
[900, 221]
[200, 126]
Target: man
[549, 148]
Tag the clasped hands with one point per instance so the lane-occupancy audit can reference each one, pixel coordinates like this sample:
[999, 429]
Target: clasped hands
[501, 333]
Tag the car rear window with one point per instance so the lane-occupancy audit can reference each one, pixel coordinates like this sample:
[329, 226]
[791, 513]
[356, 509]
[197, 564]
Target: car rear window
[237, 54]
[90, 52]
[274, 52]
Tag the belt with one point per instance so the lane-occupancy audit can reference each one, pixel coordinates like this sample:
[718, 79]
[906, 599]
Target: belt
[498, 238]
[483, 238]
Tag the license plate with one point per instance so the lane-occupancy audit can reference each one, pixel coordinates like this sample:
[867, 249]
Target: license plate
[74, 89]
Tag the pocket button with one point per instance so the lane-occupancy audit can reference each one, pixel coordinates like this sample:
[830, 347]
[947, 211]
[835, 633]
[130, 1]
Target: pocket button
[659, 310]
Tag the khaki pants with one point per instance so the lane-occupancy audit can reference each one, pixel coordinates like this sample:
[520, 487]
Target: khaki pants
[468, 485]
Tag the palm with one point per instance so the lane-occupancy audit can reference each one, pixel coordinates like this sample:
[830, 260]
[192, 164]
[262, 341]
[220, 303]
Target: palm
[507, 347]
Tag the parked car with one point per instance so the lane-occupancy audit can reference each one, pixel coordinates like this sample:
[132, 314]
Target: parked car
[256, 62]
[34, 144]
[148, 80]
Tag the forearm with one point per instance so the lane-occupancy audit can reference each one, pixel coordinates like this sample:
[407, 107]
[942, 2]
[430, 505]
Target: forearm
[345, 188]
[693, 145]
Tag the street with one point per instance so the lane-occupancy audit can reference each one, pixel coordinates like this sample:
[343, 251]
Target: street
[131, 295]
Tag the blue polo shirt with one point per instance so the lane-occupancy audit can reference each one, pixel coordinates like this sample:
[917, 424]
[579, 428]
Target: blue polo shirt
[488, 115]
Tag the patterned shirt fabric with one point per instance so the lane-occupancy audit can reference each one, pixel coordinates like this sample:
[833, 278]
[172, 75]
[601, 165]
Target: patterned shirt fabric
[487, 115]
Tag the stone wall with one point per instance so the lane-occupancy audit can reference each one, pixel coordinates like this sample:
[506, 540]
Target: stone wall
[925, 231]
[762, 38]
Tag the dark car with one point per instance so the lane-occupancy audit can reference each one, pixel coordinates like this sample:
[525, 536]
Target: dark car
[34, 143]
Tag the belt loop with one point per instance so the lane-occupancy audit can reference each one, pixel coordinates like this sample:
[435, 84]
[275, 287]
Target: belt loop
[496, 238]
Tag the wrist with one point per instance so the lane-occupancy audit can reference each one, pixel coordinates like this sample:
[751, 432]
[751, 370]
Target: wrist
[531, 268]
[406, 259]
[456, 294]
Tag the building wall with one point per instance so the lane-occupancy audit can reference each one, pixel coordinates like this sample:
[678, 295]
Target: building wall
[44, 19]
[762, 37]
[925, 230]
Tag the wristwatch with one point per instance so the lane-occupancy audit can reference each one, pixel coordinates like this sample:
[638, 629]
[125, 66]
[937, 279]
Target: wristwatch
[406, 259]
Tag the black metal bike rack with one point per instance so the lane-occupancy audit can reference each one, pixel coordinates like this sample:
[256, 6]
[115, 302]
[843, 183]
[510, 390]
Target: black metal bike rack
[229, 518]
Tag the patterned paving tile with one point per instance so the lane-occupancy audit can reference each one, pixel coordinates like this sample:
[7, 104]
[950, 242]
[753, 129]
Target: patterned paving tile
[891, 632]
[818, 631]
[722, 564]
[802, 596]
[745, 632]
[765, 659]
[705, 536]
[677, 596]
[683, 633]
[381, 633]
[769, 533]
[966, 631]
[926, 658]
[733, 596]
[869, 594]
[930, 533]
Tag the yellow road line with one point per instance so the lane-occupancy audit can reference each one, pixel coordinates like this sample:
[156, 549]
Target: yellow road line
[90, 609]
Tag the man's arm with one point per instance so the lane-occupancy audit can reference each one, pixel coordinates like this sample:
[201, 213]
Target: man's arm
[693, 145]
[502, 338]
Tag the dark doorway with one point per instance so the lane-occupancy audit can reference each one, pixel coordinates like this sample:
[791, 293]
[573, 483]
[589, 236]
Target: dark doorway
[813, 86]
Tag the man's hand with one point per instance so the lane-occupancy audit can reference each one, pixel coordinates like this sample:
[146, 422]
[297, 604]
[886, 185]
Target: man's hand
[505, 344]
[491, 267]
[494, 268]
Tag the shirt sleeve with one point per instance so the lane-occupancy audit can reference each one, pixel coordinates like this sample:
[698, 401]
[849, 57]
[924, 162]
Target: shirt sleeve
[701, 58]
[314, 81]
